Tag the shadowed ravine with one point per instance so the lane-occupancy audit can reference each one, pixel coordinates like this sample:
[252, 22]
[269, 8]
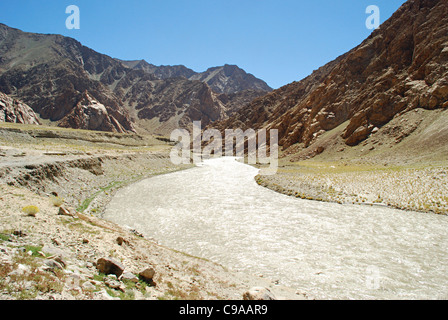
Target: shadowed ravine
[329, 251]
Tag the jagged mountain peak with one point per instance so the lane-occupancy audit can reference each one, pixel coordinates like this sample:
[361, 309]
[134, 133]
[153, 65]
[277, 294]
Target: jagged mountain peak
[230, 79]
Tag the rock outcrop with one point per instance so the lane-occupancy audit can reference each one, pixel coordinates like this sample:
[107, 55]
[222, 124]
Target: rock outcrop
[89, 114]
[401, 66]
[13, 110]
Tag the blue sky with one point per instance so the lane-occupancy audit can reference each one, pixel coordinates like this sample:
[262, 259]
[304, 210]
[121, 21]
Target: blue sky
[278, 41]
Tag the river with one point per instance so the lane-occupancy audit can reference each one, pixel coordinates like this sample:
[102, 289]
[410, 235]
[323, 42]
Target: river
[330, 251]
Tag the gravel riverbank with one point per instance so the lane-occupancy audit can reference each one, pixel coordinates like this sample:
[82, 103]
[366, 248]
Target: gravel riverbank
[415, 188]
[52, 248]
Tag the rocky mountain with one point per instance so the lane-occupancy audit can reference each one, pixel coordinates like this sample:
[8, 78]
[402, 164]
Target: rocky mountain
[64, 81]
[228, 79]
[161, 72]
[51, 73]
[15, 111]
[400, 67]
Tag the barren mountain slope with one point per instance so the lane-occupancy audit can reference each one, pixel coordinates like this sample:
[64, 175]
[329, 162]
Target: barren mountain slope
[400, 67]
[51, 73]
[54, 74]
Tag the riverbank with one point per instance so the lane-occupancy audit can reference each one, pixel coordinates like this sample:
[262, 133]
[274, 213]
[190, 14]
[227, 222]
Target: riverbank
[51, 253]
[419, 187]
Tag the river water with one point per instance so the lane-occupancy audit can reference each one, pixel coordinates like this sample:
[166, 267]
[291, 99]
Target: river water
[330, 251]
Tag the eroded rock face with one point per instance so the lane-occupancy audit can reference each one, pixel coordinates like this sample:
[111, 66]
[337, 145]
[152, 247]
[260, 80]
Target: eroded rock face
[12, 110]
[89, 114]
[399, 67]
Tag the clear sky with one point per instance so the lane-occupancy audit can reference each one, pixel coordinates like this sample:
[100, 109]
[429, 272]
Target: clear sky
[279, 41]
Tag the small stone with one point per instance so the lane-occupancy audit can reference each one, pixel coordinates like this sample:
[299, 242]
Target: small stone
[121, 240]
[112, 282]
[66, 212]
[258, 293]
[19, 233]
[128, 276]
[61, 261]
[52, 264]
[147, 275]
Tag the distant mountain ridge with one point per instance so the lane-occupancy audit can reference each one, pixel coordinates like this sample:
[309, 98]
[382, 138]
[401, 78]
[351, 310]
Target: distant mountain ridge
[161, 72]
[58, 77]
[225, 79]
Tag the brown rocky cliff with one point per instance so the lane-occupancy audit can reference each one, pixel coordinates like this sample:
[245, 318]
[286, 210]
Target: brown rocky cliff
[401, 66]
[15, 111]
[89, 114]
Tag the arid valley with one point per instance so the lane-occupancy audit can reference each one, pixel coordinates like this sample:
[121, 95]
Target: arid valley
[93, 207]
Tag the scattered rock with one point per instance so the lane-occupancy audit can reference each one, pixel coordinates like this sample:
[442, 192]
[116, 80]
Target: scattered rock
[112, 282]
[128, 276]
[53, 264]
[147, 275]
[258, 293]
[19, 233]
[110, 266]
[121, 241]
[138, 234]
[66, 212]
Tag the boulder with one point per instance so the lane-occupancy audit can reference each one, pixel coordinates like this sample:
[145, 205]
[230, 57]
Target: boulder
[110, 266]
[147, 275]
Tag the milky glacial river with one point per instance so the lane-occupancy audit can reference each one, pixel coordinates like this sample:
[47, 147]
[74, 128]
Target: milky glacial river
[329, 251]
